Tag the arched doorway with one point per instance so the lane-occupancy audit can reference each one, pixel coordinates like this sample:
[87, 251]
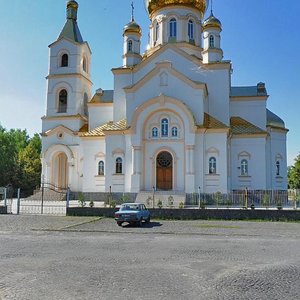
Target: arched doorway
[164, 171]
[60, 170]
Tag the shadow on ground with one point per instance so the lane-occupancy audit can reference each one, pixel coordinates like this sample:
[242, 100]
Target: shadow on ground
[144, 225]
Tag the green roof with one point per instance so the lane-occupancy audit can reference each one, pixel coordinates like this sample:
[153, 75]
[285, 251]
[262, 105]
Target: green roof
[247, 91]
[71, 31]
[274, 121]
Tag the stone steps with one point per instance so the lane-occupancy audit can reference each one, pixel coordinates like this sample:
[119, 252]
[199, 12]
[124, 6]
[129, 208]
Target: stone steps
[49, 195]
[169, 199]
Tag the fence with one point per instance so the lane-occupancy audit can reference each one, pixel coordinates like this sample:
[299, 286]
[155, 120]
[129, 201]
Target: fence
[246, 199]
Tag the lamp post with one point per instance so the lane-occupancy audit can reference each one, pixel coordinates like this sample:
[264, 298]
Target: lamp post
[153, 192]
[199, 192]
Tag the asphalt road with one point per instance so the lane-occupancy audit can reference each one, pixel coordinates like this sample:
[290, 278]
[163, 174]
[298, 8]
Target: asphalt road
[91, 258]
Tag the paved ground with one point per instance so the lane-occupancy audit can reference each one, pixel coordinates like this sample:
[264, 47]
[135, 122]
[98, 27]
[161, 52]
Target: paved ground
[92, 258]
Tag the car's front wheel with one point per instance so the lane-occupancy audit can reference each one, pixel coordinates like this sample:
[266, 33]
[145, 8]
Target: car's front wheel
[148, 220]
[140, 222]
[119, 223]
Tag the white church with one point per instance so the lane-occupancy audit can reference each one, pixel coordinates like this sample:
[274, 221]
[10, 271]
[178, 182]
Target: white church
[173, 121]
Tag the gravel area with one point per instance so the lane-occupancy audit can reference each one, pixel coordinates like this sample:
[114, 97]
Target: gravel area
[66, 258]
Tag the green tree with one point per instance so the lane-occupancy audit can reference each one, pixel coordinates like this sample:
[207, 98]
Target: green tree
[20, 163]
[8, 158]
[294, 174]
[30, 165]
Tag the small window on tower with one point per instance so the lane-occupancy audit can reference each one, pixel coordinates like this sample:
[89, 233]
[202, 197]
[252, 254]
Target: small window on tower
[277, 168]
[173, 28]
[84, 65]
[191, 30]
[62, 101]
[130, 46]
[64, 60]
[211, 41]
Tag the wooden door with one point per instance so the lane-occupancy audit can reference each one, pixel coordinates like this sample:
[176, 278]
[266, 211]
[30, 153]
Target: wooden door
[164, 171]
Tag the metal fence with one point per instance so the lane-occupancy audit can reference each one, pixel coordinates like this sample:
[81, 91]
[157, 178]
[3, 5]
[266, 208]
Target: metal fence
[246, 199]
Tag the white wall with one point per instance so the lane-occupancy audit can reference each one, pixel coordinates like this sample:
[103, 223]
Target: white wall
[254, 150]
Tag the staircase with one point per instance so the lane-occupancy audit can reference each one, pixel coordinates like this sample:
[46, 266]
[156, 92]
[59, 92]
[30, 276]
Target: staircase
[145, 197]
[49, 195]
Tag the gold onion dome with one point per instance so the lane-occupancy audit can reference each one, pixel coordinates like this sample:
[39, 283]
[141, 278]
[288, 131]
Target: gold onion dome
[212, 21]
[154, 5]
[72, 4]
[132, 27]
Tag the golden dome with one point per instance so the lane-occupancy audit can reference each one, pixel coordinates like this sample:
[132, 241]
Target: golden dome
[153, 5]
[72, 4]
[132, 27]
[212, 21]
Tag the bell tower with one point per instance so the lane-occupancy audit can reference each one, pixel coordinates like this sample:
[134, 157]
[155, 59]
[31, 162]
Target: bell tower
[132, 42]
[212, 51]
[69, 81]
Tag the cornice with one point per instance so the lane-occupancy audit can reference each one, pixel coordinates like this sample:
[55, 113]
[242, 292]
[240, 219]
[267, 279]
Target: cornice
[51, 76]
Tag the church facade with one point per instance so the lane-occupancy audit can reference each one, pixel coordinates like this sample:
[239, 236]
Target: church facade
[173, 121]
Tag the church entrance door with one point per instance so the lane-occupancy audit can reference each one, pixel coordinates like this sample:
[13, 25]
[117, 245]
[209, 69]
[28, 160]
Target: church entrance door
[60, 171]
[164, 171]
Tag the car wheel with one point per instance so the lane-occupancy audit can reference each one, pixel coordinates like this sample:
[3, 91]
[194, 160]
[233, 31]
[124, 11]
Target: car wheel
[148, 220]
[140, 222]
[119, 223]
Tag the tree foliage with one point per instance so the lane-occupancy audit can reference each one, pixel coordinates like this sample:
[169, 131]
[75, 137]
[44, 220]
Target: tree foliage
[20, 164]
[294, 174]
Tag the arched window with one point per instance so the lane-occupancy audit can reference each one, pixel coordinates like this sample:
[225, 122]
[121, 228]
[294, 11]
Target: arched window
[119, 165]
[64, 60]
[244, 167]
[164, 127]
[154, 132]
[101, 168]
[191, 30]
[173, 28]
[211, 41]
[62, 101]
[156, 32]
[84, 65]
[277, 168]
[212, 165]
[85, 102]
[174, 131]
[130, 46]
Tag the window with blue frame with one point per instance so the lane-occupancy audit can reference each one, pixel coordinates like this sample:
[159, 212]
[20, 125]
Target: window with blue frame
[191, 30]
[154, 132]
[101, 168]
[174, 131]
[173, 28]
[212, 168]
[244, 167]
[164, 127]
[119, 165]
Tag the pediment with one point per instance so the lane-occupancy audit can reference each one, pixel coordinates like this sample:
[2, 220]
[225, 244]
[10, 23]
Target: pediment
[164, 70]
[59, 130]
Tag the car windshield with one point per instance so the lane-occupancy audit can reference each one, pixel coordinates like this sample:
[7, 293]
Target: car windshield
[129, 207]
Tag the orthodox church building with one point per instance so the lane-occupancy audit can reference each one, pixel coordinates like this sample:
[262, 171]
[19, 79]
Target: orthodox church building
[173, 121]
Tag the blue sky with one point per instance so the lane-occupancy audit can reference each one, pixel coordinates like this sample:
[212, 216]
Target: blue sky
[260, 37]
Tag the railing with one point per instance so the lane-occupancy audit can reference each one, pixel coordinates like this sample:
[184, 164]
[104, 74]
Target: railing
[246, 199]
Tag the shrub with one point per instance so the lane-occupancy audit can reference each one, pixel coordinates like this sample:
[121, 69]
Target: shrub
[113, 204]
[181, 205]
[159, 204]
[91, 204]
[81, 200]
